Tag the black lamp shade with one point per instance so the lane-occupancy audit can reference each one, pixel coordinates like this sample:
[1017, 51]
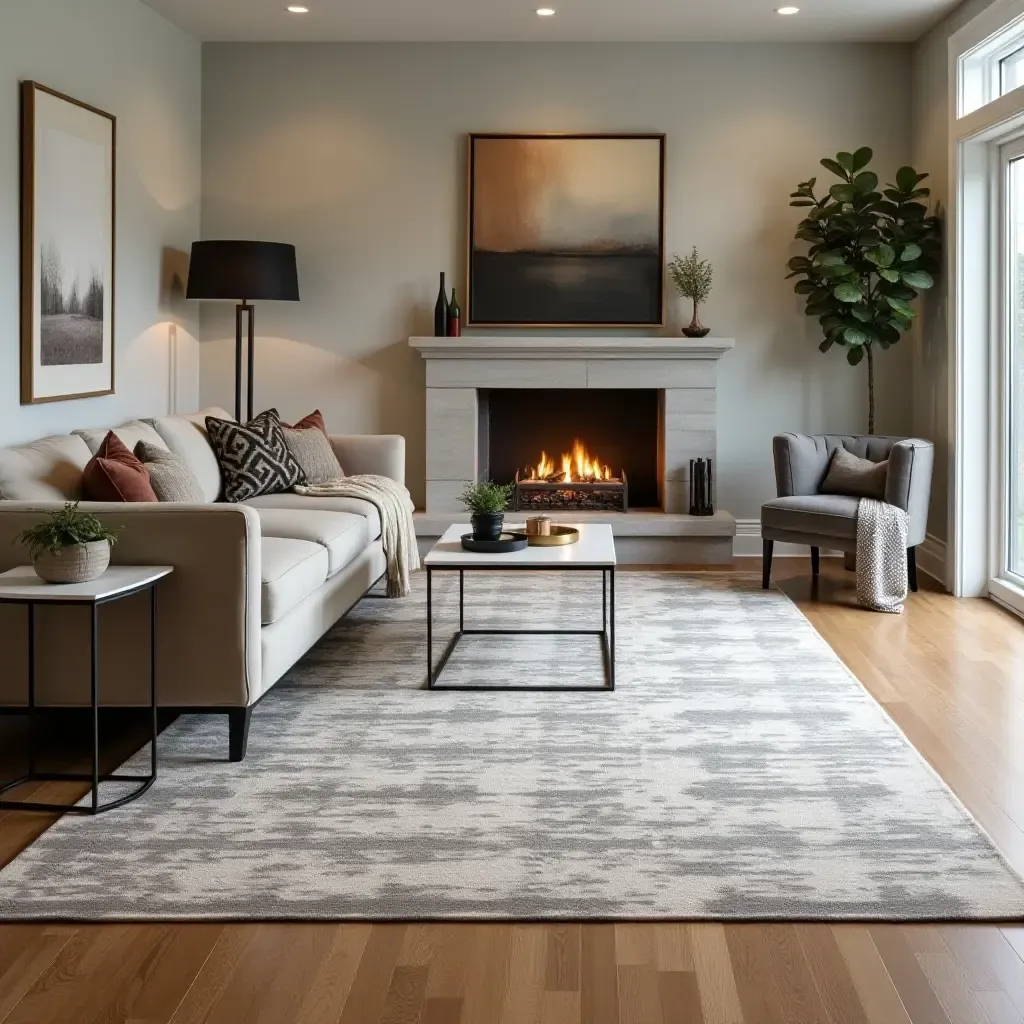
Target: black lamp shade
[238, 270]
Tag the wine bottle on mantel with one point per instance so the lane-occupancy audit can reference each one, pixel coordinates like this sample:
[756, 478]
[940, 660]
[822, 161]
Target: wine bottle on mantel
[454, 318]
[441, 311]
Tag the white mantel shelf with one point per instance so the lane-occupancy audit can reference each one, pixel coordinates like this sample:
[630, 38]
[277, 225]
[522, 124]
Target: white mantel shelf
[564, 348]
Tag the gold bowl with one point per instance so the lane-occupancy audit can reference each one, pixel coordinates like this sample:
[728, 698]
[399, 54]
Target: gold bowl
[559, 535]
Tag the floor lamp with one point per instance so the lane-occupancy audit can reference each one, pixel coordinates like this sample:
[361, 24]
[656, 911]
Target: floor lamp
[241, 271]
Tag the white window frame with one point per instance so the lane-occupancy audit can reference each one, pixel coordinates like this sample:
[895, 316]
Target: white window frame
[976, 258]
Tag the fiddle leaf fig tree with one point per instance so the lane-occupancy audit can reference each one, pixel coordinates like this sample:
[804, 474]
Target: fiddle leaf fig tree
[871, 252]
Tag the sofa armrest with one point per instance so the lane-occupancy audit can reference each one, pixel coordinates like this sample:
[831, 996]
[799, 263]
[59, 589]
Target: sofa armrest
[208, 644]
[801, 461]
[908, 484]
[377, 454]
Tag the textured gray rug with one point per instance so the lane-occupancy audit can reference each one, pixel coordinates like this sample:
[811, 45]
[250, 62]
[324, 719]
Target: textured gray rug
[739, 771]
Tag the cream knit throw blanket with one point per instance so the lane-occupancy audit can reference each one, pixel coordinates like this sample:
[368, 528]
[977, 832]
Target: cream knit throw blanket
[881, 556]
[398, 535]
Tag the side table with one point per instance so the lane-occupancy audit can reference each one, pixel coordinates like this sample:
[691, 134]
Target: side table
[23, 586]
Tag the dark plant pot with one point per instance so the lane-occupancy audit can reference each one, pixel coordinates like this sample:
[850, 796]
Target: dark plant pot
[487, 525]
[696, 329]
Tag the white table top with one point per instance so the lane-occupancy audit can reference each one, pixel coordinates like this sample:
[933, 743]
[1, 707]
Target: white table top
[595, 547]
[23, 584]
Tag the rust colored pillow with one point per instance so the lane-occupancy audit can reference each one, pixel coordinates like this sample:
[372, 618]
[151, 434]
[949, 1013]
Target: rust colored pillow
[314, 421]
[115, 474]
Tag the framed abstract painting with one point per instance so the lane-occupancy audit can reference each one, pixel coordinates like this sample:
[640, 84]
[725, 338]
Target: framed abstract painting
[566, 231]
[68, 152]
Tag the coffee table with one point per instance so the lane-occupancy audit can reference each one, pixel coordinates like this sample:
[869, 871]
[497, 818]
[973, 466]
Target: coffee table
[595, 551]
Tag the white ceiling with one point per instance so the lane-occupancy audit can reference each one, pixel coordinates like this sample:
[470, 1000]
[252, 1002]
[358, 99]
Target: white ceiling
[575, 20]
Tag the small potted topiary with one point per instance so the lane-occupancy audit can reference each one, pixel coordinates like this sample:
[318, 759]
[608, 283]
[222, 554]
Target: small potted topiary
[486, 501]
[70, 546]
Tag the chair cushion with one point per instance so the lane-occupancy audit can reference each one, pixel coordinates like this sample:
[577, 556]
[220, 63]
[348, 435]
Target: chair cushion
[343, 534]
[186, 436]
[860, 478]
[129, 434]
[356, 506]
[115, 474]
[254, 458]
[169, 474]
[49, 469]
[291, 570]
[828, 515]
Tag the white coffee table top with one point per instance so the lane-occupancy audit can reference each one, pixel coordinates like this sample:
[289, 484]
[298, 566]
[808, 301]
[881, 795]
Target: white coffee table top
[596, 547]
[22, 584]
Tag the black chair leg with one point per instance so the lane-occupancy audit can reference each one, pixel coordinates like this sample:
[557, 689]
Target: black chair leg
[912, 569]
[238, 732]
[766, 563]
[815, 561]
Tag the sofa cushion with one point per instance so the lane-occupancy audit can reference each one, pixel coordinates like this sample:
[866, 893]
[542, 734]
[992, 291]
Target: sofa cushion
[186, 436]
[254, 458]
[129, 434]
[827, 515]
[312, 450]
[49, 469]
[115, 474]
[291, 570]
[170, 475]
[343, 534]
[356, 506]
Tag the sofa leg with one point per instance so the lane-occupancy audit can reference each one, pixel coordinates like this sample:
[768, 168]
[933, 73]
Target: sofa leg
[815, 561]
[238, 732]
[766, 563]
[912, 569]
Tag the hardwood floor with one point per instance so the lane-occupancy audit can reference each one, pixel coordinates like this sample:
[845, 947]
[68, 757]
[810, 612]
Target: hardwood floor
[951, 674]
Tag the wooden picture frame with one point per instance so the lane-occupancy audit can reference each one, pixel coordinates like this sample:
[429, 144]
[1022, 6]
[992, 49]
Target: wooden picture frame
[68, 222]
[565, 230]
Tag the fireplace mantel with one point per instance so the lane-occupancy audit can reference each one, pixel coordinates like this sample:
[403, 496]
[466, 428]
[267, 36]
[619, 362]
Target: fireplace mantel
[564, 348]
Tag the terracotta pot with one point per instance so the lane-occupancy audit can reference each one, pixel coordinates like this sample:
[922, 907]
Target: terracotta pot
[77, 563]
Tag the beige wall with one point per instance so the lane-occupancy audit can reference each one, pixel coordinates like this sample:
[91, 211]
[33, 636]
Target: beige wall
[122, 57]
[929, 345]
[355, 153]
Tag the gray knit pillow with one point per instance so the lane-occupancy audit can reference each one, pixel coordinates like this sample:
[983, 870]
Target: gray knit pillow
[857, 478]
[313, 452]
[170, 475]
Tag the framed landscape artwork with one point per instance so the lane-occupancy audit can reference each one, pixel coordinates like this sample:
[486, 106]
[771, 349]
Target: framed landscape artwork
[566, 230]
[67, 247]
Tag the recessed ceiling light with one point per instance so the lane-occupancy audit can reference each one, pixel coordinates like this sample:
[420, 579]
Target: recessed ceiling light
[545, 12]
[787, 10]
[297, 9]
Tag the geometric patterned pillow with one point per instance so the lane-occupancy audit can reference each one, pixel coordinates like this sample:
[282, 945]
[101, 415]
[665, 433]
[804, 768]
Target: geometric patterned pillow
[254, 458]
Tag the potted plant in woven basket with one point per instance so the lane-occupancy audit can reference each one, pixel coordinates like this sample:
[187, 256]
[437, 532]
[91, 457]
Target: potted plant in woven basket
[70, 546]
[486, 501]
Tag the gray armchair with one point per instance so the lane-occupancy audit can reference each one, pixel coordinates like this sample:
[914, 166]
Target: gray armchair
[801, 514]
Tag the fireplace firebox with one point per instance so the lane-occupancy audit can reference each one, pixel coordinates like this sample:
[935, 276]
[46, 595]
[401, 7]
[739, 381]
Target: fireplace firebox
[572, 449]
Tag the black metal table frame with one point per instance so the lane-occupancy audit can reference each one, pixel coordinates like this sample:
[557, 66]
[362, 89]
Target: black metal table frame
[94, 777]
[606, 633]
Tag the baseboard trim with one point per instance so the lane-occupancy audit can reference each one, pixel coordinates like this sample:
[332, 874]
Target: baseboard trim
[747, 544]
[931, 558]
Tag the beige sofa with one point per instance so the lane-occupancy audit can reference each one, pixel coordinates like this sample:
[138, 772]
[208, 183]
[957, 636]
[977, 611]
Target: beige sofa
[254, 585]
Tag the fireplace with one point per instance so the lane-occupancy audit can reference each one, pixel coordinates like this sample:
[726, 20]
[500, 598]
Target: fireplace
[572, 449]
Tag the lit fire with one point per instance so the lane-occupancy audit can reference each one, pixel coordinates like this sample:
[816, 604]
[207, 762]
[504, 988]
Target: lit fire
[577, 466]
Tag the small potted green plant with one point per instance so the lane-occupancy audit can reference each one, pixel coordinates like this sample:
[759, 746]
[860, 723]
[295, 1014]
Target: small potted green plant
[692, 277]
[70, 546]
[486, 501]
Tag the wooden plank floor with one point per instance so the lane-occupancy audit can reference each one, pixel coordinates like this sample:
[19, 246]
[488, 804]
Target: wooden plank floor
[951, 674]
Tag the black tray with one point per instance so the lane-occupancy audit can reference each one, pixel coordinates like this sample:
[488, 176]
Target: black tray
[502, 546]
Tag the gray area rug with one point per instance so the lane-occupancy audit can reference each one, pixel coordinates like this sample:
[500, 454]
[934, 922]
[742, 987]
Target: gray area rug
[738, 771]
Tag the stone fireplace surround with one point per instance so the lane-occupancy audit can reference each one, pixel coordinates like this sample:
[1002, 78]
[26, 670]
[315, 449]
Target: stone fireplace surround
[683, 370]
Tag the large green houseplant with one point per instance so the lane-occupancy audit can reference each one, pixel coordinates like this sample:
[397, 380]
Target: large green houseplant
[871, 252]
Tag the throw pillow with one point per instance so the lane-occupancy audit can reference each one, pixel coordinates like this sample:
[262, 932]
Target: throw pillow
[114, 474]
[170, 475]
[254, 457]
[858, 478]
[308, 442]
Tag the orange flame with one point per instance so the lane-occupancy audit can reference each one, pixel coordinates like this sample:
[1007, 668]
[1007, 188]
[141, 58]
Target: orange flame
[577, 466]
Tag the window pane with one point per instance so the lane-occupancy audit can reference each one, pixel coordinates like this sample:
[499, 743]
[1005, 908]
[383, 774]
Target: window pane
[1011, 72]
[1015, 378]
